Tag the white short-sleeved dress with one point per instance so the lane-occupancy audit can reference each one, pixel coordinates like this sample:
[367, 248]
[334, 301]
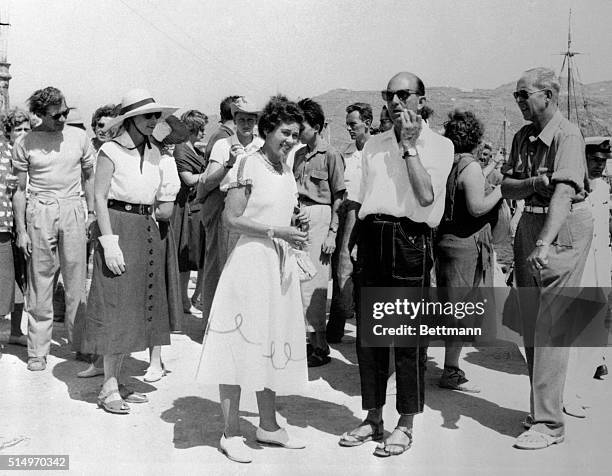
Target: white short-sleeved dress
[256, 336]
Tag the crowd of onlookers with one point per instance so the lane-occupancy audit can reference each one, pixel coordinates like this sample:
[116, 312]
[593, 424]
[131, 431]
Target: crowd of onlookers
[265, 212]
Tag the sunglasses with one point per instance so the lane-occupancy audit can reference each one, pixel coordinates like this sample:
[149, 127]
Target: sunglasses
[524, 95]
[100, 125]
[150, 115]
[402, 94]
[63, 114]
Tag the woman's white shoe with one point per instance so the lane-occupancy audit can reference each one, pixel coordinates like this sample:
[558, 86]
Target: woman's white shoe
[235, 449]
[279, 437]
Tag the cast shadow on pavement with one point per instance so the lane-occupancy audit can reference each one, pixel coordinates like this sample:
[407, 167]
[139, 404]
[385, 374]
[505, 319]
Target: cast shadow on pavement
[87, 389]
[453, 405]
[501, 356]
[199, 422]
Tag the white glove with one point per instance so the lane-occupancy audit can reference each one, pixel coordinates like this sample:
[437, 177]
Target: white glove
[113, 257]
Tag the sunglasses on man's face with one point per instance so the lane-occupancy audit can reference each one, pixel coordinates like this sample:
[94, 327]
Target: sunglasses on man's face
[402, 94]
[150, 115]
[524, 95]
[63, 114]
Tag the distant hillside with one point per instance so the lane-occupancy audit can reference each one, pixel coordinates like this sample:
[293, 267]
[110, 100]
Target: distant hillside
[488, 104]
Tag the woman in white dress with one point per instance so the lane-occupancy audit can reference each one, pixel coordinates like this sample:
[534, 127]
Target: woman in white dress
[255, 335]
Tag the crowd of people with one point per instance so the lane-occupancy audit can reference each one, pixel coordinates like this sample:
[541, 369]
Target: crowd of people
[267, 212]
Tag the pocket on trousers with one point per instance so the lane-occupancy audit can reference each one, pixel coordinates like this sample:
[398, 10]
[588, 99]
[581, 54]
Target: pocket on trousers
[564, 239]
[408, 255]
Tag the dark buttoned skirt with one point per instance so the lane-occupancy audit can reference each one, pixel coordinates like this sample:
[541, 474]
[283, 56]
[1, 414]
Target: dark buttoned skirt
[129, 312]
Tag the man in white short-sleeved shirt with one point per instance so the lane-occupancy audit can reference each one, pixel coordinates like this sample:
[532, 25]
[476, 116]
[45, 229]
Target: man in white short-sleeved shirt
[52, 231]
[402, 194]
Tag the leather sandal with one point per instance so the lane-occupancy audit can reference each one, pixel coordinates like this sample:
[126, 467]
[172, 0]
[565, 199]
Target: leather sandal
[350, 439]
[155, 375]
[131, 396]
[115, 405]
[384, 450]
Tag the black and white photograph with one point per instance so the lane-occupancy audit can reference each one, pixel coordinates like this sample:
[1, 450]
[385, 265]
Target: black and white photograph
[305, 237]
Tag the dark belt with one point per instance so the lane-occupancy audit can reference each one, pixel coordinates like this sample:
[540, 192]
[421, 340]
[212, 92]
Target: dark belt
[412, 226]
[137, 208]
[309, 202]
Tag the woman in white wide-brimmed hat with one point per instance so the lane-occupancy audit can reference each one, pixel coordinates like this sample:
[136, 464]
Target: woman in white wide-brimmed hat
[127, 308]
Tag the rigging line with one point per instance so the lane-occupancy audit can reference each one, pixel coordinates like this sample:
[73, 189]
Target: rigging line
[195, 55]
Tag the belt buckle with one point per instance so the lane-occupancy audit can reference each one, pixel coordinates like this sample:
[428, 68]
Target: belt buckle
[128, 207]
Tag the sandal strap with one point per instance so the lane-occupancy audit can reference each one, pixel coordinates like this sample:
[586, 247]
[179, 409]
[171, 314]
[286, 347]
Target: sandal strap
[407, 431]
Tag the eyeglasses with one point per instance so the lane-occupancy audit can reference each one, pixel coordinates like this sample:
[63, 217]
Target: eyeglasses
[149, 115]
[524, 95]
[63, 114]
[402, 94]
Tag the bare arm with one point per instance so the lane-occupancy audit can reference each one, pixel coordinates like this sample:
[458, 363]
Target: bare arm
[104, 173]
[407, 133]
[235, 204]
[516, 189]
[473, 182]
[19, 207]
[190, 179]
[213, 175]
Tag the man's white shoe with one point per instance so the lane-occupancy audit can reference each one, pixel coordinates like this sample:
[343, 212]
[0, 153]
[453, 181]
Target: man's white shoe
[235, 449]
[279, 437]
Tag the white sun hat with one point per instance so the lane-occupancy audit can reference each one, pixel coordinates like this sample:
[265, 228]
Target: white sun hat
[137, 102]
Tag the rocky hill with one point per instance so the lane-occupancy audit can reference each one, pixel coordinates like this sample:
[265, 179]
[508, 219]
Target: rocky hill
[488, 104]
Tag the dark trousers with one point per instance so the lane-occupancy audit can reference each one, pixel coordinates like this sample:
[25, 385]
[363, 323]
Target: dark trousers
[392, 252]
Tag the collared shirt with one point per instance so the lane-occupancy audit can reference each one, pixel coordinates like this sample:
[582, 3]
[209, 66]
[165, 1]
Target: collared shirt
[6, 195]
[221, 133]
[352, 171]
[319, 173]
[557, 151]
[134, 180]
[221, 151]
[54, 160]
[385, 185]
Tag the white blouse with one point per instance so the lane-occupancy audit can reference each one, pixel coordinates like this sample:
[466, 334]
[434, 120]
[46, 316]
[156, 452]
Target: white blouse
[139, 181]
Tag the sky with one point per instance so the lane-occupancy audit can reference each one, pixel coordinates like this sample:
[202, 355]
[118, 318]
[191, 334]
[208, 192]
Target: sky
[192, 53]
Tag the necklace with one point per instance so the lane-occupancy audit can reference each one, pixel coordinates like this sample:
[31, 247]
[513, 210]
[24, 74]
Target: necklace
[276, 167]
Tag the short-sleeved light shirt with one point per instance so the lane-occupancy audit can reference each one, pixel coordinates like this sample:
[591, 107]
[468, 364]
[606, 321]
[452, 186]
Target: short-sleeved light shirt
[319, 173]
[54, 160]
[134, 180]
[352, 171]
[6, 207]
[557, 151]
[221, 151]
[385, 186]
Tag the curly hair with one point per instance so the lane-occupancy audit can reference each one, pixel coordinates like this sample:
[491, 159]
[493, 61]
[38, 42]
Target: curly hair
[194, 120]
[108, 110]
[464, 129]
[14, 118]
[41, 99]
[279, 109]
[225, 108]
[313, 113]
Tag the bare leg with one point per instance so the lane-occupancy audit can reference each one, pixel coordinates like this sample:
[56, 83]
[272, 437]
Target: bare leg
[155, 361]
[230, 406]
[452, 351]
[112, 367]
[184, 282]
[266, 402]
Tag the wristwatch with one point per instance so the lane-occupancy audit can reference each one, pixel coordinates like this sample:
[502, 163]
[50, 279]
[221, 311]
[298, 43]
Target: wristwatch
[270, 232]
[334, 229]
[410, 152]
[541, 243]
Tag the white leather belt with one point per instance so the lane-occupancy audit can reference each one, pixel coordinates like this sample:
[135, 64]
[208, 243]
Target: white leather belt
[538, 210]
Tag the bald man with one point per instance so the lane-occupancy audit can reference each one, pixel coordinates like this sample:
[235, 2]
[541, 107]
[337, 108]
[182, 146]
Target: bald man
[402, 193]
[547, 168]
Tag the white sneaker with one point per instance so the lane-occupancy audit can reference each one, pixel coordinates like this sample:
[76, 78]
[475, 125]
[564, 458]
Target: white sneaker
[279, 437]
[235, 449]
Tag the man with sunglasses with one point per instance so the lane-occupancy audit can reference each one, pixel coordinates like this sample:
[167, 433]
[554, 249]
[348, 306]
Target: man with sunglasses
[402, 193]
[51, 228]
[547, 168]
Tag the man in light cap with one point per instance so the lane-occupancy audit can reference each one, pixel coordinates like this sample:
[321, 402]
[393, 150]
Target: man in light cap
[223, 156]
[52, 230]
[583, 360]
[402, 194]
[547, 169]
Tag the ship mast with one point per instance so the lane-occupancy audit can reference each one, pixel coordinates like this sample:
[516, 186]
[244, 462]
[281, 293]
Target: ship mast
[568, 56]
